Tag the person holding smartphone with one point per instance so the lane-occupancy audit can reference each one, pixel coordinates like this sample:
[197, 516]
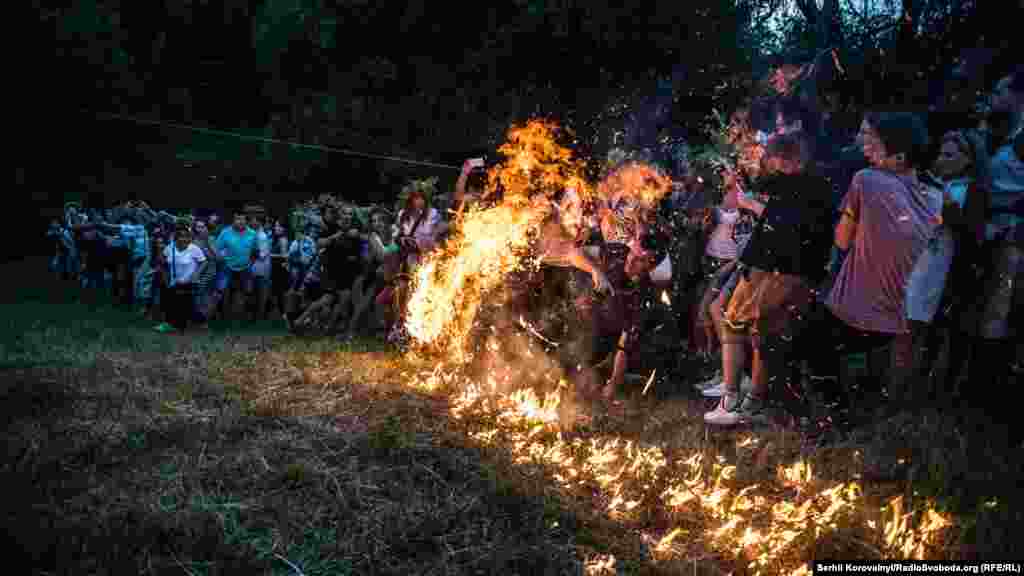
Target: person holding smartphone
[469, 187]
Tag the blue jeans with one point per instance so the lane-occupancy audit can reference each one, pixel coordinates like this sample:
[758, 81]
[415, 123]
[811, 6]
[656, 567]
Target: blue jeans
[234, 279]
[200, 299]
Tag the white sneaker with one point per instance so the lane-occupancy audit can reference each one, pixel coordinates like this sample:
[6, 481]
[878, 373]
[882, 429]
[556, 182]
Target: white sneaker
[714, 391]
[717, 387]
[722, 409]
[709, 383]
[748, 411]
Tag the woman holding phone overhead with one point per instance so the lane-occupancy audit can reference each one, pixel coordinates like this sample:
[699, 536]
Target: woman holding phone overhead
[470, 185]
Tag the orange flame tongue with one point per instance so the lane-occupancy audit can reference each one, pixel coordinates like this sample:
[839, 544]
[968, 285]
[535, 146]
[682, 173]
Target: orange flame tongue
[536, 162]
[450, 285]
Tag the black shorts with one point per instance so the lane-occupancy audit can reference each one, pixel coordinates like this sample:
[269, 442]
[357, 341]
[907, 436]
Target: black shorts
[331, 281]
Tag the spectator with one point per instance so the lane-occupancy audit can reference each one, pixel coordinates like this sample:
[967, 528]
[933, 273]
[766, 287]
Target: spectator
[932, 292]
[885, 224]
[207, 276]
[279, 265]
[999, 301]
[119, 256]
[726, 239]
[303, 258]
[1005, 229]
[415, 232]
[158, 280]
[469, 187]
[64, 261]
[236, 245]
[685, 216]
[379, 267]
[213, 225]
[340, 266]
[137, 241]
[778, 270]
[261, 266]
[184, 261]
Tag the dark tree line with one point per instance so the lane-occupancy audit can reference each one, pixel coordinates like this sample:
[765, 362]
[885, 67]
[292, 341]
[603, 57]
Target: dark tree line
[436, 81]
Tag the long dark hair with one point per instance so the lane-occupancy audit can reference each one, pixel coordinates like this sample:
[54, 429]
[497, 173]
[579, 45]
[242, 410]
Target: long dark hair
[407, 207]
[407, 213]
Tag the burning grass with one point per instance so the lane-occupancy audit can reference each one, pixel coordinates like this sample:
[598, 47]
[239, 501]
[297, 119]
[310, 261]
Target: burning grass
[270, 455]
[757, 506]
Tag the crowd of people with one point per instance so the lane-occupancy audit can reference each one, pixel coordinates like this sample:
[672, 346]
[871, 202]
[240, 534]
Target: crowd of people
[828, 251]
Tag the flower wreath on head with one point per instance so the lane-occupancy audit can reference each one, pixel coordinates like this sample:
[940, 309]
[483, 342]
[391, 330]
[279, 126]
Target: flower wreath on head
[426, 186]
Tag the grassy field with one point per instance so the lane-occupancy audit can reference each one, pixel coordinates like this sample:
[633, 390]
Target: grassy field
[247, 451]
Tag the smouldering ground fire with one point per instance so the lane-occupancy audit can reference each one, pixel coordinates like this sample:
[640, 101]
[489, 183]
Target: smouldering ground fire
[772, 520]
[752, 510]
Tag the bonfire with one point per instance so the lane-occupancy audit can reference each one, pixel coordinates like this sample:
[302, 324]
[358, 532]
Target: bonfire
[769, 526]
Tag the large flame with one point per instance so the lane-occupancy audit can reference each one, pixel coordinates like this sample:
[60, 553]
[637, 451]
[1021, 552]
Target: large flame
[770, 526]
[451, 285]
[536, 162]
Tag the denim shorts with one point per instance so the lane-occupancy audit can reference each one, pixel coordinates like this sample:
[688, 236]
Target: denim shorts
[235, 279]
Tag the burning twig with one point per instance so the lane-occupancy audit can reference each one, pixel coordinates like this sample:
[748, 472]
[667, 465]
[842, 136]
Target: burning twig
[529, 328]
[649, 381]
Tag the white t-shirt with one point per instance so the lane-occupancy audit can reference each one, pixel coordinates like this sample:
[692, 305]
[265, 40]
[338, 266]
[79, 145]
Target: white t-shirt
[721, 243]
[928, 279]
[423, 234]
[181, 264]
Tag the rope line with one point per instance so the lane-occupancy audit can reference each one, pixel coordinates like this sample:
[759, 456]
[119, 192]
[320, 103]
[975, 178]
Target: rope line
[267, 140]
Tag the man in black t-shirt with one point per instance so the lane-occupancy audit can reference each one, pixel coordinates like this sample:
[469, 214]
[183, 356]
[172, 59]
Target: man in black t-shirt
[780, 266]
[340, 248]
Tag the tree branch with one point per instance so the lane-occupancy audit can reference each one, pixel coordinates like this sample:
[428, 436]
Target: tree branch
[809, 9]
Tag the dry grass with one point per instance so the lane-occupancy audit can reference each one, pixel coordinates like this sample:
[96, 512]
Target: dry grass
[130, 452]
[257, 453]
